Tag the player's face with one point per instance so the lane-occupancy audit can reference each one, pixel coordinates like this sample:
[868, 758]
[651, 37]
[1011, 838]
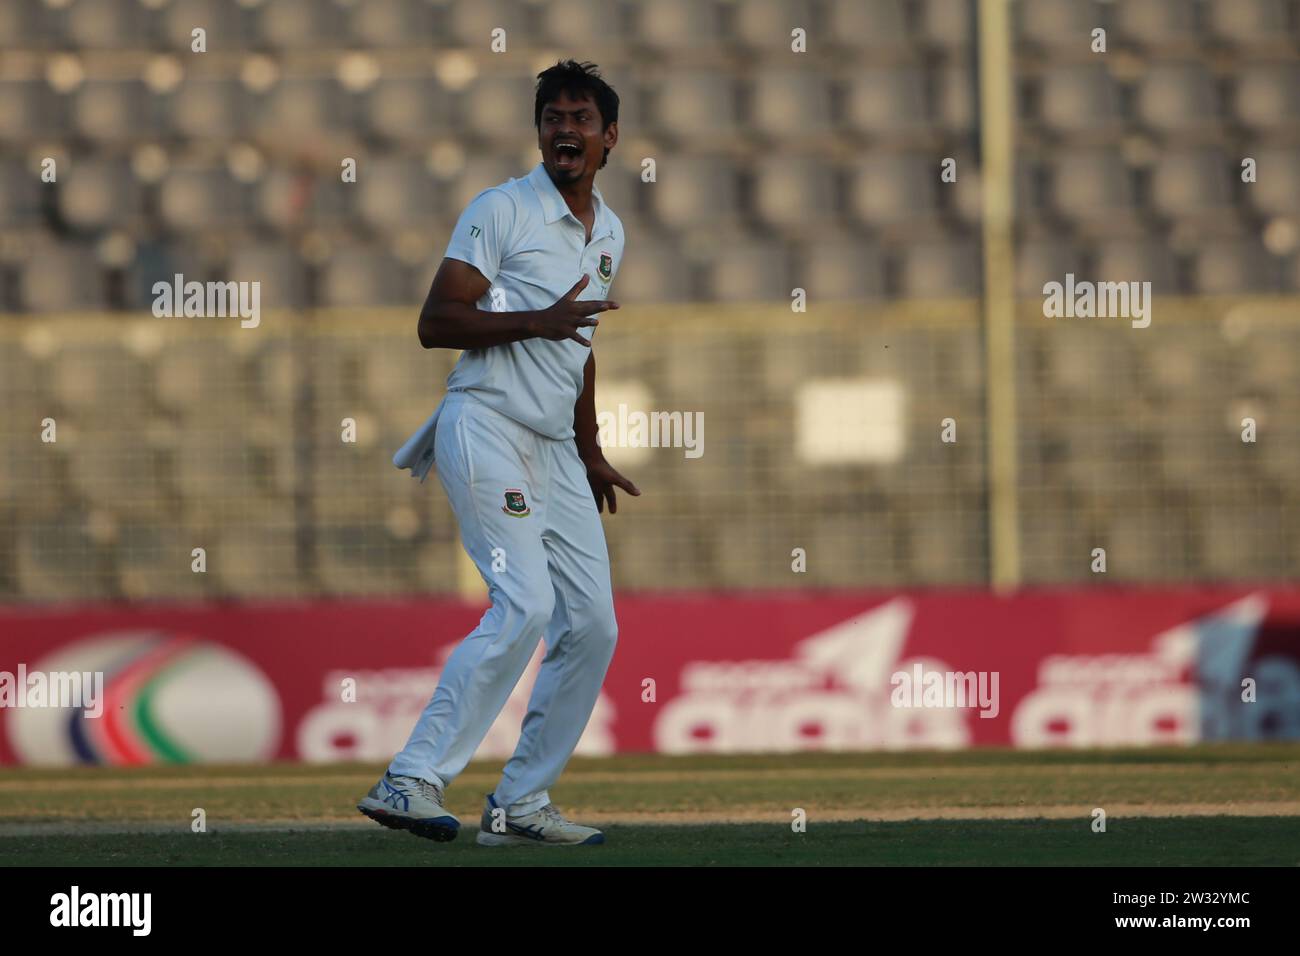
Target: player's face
[571, 139]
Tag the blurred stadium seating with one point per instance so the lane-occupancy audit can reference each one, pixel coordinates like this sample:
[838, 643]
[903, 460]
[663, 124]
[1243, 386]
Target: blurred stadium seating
[773, 172]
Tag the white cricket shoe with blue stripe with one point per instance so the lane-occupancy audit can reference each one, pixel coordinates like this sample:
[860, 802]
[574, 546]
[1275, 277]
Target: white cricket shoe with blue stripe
[545, 827]
[409, 803]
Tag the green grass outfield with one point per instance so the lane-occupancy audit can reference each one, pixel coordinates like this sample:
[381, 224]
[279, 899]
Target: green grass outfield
[1210, 805]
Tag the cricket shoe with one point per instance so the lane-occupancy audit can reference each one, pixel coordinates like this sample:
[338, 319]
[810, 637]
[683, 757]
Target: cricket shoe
[409, 803]
[544, 827]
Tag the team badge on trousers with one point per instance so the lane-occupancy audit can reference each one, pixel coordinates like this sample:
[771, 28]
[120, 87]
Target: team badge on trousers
[515, 504]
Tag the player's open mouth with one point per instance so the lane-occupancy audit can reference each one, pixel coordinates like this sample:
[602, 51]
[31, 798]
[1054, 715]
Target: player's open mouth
[567, 155]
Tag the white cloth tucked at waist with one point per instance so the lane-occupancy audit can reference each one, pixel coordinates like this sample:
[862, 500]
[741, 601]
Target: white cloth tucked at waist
[417, 453]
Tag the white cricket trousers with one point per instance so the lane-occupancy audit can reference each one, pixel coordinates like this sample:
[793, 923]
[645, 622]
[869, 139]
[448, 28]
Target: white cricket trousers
[546, 565]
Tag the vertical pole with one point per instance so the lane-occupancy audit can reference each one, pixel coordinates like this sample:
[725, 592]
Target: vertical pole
[997, 155]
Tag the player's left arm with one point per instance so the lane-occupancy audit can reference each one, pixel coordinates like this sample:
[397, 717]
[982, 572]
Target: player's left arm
[601, 475]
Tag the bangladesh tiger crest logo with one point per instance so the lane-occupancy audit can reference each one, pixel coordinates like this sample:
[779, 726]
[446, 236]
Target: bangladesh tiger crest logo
[606, 266]
[516, 506]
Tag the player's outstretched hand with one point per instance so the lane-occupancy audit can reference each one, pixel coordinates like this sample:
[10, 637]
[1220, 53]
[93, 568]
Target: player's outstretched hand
[562, 320]
[603, 478]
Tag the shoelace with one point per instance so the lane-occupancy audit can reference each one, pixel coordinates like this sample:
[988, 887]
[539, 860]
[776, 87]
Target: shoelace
[552, 814]
[430, 791]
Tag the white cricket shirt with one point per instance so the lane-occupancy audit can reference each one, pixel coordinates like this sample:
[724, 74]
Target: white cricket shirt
[526, 242]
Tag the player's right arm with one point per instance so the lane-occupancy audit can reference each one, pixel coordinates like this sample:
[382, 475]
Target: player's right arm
[483, 237]
[451, 318]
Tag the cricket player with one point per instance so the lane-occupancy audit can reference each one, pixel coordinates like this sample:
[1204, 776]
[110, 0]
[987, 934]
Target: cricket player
[527, 270]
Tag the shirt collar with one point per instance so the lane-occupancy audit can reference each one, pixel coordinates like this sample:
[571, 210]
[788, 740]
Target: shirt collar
[554, 207]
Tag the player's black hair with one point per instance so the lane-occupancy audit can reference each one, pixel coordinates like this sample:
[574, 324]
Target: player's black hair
[578, 80]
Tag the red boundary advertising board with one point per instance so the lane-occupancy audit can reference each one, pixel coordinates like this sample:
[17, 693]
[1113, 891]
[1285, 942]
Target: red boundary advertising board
[326, 681]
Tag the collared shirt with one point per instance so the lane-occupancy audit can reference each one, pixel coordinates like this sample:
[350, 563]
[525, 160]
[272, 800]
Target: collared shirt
[526, 242]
